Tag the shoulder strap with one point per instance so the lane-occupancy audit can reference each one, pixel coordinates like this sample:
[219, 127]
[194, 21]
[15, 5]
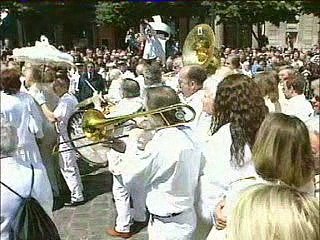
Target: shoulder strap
[32, 181]
[11, 190]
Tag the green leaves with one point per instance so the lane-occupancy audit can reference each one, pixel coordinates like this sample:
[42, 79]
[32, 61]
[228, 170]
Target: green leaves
[253, 12]
[126, 14]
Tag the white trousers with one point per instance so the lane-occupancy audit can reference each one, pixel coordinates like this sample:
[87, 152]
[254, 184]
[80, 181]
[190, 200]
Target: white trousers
[70, 172]
[181, 227]
[122, 196]
[138, 198]
[122, 201]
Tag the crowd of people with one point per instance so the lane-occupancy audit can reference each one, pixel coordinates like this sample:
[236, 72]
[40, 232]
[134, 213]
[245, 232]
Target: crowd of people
[246, 167]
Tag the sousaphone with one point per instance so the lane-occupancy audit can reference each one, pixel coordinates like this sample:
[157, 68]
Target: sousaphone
[201, 48]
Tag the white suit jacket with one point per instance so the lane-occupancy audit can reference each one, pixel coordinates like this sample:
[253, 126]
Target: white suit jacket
[170, 167]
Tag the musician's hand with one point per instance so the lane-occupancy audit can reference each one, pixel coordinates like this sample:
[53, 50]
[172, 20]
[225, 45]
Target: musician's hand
[144, 138]
[96, 99]
[118, 145]
[221, 219]
[39, 97]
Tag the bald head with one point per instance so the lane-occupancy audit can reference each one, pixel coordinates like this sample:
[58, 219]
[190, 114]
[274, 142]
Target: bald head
[194, 73]
[191, 79]
[140, 68]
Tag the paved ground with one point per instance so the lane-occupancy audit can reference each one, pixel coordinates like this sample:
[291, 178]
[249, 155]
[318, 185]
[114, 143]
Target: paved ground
[89, 221]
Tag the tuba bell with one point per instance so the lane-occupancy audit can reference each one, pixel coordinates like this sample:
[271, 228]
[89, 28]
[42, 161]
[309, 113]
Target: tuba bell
[200, 48]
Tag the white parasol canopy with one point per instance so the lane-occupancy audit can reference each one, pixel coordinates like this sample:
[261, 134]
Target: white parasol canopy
[42, 53]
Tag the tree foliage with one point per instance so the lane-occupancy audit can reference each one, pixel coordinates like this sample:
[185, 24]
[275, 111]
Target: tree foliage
[311, 7]
[254, 12]
[125, 14]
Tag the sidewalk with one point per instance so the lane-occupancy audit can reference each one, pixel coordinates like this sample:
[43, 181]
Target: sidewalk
[89, 221]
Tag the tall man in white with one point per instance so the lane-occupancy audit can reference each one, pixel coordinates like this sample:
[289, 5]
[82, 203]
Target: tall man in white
[60, 116]
[124, 226]
[170, 167]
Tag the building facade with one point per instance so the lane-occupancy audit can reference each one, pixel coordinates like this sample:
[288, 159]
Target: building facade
[304, 34]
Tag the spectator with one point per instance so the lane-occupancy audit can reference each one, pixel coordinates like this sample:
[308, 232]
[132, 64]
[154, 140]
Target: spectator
[17, 174]
[280, 212]
[90, 82]
[268, 83]
[297, 104]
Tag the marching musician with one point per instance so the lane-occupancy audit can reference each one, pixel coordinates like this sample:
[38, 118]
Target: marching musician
[191, 79]
[34, 82]
[169, 171]
[127, 221]
[61, 114]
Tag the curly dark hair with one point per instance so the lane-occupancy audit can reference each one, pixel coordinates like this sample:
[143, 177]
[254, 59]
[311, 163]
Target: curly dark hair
[239, 102]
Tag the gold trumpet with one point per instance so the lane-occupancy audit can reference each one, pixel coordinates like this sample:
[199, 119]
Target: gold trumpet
[99, 129]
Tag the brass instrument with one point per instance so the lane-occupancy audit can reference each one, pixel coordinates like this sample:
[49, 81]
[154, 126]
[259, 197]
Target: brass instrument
[200, 48]
[98, 129]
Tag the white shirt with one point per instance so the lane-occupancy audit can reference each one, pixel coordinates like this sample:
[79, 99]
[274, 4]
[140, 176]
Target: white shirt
[195, 101]
[297, 63]
[300, 107]
[218, 173]
[21, 110]
[17, 174]
[115, 92]
[66, 107]
[126, 106]
[170, 167]
[140, 80]
[173, 82]
[212, 82]
[128, 74]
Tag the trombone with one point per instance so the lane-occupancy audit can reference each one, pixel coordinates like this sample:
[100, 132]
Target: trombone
[99, 129]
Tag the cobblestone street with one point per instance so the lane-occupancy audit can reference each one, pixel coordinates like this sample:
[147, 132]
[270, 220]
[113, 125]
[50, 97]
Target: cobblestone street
[89, 221]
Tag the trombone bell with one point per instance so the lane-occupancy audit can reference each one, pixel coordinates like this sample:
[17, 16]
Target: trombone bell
[97, 127]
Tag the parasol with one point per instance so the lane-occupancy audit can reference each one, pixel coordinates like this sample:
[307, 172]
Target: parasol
[42, 53]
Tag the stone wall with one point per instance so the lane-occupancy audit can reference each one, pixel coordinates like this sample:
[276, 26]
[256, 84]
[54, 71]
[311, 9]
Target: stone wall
[305, 32]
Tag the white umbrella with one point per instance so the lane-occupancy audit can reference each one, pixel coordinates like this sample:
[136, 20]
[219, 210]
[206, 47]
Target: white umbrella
[42, 53]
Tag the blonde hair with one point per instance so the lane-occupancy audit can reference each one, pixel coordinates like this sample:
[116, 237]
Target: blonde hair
[282, 150]
[274, 212]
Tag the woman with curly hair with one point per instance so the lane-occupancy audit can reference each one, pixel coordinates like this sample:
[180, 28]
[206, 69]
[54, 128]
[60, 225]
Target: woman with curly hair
[281, 154]
[239, 110]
